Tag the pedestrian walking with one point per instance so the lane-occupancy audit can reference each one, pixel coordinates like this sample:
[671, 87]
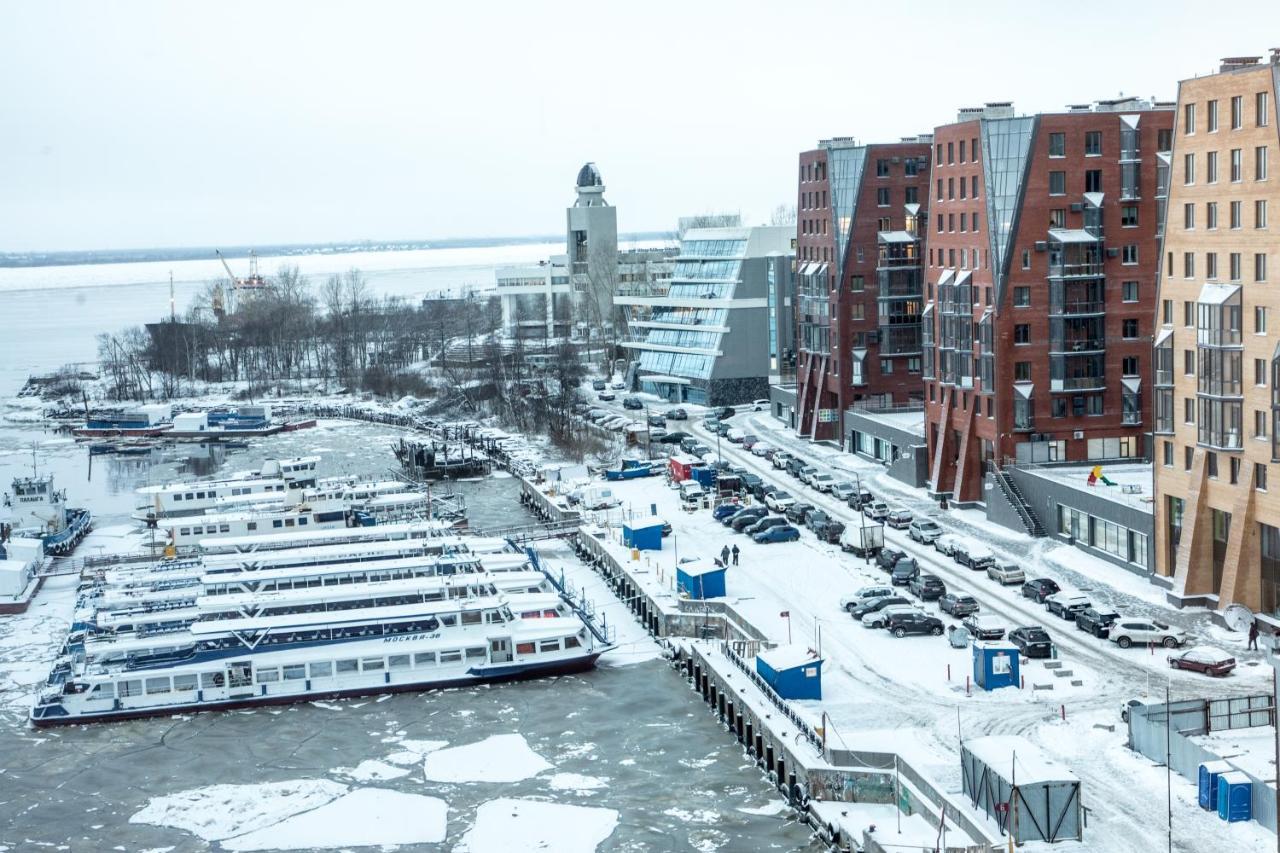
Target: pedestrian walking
[724, 555]
[1253, 636]
[735, 555]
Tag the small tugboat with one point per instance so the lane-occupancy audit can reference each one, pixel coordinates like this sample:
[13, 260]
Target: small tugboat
[36, 509]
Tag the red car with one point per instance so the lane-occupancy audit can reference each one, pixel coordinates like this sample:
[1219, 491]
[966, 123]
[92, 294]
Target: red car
[1204, 659]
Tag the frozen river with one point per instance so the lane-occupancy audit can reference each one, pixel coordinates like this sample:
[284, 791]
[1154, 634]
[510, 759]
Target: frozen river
[622, 758]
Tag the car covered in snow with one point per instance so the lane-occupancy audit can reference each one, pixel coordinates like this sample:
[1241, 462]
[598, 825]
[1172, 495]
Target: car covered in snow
[606, 396]
[778, 500]
[865, 594]
[759, 405]
[924, 530]
[1205, 659]
[780, 459]
[763, 449]
[973, 555]
[806, 474]
[880, 618]
[735, 435]
[1127, 632]
[676, 414]
[841, 491]
[984, 626]
[898, 519]
[1065, 604]
[946, 543]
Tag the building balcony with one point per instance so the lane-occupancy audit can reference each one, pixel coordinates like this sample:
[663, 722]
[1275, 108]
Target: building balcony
[1082, 269]
[1077, 346]
[1220, 439]
[1219, 338]
[900, 339]
[1077, 307]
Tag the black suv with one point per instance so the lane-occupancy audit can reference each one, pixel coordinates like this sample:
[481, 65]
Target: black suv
[740, 520]
[927, 587]
[1039, 589]
[889, 557]
[795, 465]
[1096, 620]
[875, 605]
[632, 403]
[797, 512]
[816, 521]
[677, 415]
[958, 604]
[904, 572]
[764, 524]
[831, 532]
[598, 385]
[901, 624]
[858, 500]
[725, 412]
[1032, 641]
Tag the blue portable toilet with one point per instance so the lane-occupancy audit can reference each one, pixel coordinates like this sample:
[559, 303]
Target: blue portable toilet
[700, 579]
[1210, 771]
[995, 664]
[643, 534]
[1235, 796]
[793, 671]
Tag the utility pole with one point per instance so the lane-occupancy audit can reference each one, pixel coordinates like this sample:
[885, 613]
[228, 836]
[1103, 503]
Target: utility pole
[1168, 771]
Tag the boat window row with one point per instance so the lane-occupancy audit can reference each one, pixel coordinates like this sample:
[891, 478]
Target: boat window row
[353, 604]
[342, 578]
[213, 493]
[371, 629]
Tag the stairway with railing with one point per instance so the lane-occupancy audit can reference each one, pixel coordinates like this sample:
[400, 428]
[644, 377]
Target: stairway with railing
[1019, 503]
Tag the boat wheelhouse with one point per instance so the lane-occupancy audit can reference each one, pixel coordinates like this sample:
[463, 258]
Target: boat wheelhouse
[35, 508]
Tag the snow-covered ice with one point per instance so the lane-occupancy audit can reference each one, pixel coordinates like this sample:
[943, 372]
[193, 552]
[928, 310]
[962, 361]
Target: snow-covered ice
[372, 770]
[532, 826]
[499, 758]
[365, 817]
[217, 812]
[577, 783]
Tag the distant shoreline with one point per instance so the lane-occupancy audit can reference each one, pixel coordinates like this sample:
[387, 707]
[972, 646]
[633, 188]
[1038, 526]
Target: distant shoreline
[14, 260]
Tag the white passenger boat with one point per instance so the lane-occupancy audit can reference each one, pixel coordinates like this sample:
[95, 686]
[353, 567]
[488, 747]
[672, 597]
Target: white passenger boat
[198, 496]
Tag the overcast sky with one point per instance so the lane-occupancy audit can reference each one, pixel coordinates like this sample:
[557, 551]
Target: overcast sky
[166, 124]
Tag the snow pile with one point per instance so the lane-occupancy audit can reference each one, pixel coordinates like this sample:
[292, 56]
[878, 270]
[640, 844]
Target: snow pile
[517, 826]
[218, 812]
[500, 758]
[365, 817]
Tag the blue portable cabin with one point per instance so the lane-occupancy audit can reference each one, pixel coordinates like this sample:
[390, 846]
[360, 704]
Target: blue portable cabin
[700, 579]
[1209, 774]
[793, 671]
[1235, 796]
[995, 664]
[704, 475]
[644, 534]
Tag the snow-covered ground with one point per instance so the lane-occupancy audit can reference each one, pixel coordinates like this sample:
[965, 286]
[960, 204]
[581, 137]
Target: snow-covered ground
[911, 693]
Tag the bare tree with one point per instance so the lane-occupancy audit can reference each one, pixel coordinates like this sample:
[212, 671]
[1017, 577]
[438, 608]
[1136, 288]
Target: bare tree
[783, 214]
[708, 220]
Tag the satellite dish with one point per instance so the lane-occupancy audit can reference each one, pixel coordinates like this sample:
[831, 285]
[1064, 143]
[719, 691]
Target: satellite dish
[1238, 617]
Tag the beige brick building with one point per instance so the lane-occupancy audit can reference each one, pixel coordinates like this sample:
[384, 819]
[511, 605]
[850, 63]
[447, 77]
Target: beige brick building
[1217, 363]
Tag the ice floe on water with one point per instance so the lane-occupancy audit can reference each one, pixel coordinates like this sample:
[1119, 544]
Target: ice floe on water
[217, 812]
[411, 751]
[694, 816]
[366, 817]
[500, 758]
[372, 771]
[769, 809]
[577, 783]
[526, 826]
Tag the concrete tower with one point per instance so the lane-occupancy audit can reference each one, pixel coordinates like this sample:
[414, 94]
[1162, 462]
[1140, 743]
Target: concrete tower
[591, 241]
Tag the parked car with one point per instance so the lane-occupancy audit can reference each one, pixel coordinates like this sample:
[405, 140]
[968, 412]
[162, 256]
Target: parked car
[699, 450]
[797, 512]
[657, 421]
[750, 481]
[795, 465]
[1032, 641]
[1126, 632]
[946, 543]
[777, 533]
[778, 500]
[745, 518]
[780, 459]
[759, 405]
[676, 414]
[1038, 589]
[865, 594]
[764, 524]
[725, 412]
[927, 587]
[726, 510]
[874, 605]
[1006, 573]
[859, 499]
[876, 510]
[618, 386]
[973, 555]
[889, 557]
[958, 604]
[656, 433]
[1204, 659]
[632, 403]
[984, 627]
[898, 519]
[675, 437]
[761, 489]
[749, 441]
[1128, 705]
[806, 474]
[1066, 604]
[841, 490]
[832, 532]
[880, 618]
[822, 481]
[902, 624]
[816, 520]
[904, 572]
[1096, 620]
[735, 435]
[606, 396]
[763, 449]
[598, 385]
[688, 443]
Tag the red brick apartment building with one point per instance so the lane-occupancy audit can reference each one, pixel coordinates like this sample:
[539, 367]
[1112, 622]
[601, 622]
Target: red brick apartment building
[861, 211]
[1043, 249]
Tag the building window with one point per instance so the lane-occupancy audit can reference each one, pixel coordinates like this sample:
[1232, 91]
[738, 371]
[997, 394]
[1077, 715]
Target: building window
[1188, 264]
[1260, 372]
[1188, 216]
[1026, 259]
[1129, 328]
[1093, 181]
[1022, 371]
[973, 221]
[1188, 456]
[1260, 163]
[1129, 254]
[1188, 169]
[1168, 453]
[1237, 213]
[1211, 465]
[939, 223]
[1022, 334]
[1166, 311]
[1260, 213]
[1259, 476]
[886, 366]
[1234, 264]
[1164, 139]
[1237, 112]
[857, 283]
[1261, 109]
[1211, 215]
[1057, 183]
[857, 311]
[1129, 291]
[1237, 165]
[1260, 266]
[1093, 143]
[939, 189]
[1129, 216]
[1211, 265]
[882, 197]
[1057, 145]
[951, 188]
[882, 168]
[1188, 362]
[1259, 319]
[1188, 410]
[1211, 167]
[1189, 119]
[912, 194]
[1058, 217]
[1129, 366]
[1211, 116]
[1233, 468]
[1022, 297]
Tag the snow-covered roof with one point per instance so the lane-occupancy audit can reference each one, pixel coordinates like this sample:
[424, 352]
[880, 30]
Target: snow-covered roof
[1017, 760]
[644, 523]
[698, 568]
[787, 657]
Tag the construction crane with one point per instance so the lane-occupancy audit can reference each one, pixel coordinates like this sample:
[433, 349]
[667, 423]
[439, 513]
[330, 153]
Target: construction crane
[240, 287]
